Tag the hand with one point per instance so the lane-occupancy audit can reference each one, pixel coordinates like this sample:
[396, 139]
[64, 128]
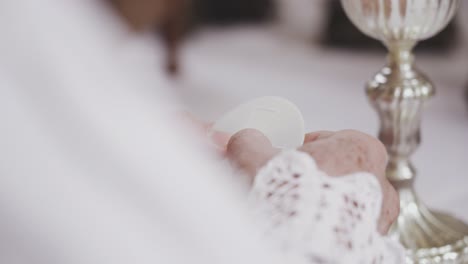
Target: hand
[218, 139]
[336, 153]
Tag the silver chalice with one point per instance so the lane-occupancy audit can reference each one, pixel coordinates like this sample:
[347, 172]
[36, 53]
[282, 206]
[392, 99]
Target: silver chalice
[398, 93]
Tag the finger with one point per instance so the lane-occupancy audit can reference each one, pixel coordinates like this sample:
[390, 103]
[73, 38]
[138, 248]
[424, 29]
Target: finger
[220, 139]
[390, 208]
[250, 150]
[194, 121]
[313, 136]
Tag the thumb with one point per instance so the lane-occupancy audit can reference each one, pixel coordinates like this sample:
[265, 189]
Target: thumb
[250, 150]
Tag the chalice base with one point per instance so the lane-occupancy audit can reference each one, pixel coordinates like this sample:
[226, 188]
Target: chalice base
[429, 236]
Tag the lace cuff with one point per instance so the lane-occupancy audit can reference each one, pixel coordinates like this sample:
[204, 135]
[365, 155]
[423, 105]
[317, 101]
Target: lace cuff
[321, 219]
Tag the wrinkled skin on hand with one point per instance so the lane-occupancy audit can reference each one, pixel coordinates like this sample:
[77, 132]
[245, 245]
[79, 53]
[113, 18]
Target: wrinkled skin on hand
[336, 153]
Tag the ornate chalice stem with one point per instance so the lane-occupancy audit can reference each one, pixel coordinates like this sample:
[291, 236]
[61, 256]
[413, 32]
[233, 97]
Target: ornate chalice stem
[398, 93]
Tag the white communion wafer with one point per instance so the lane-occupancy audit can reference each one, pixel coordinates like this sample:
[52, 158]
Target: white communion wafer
[277, 118]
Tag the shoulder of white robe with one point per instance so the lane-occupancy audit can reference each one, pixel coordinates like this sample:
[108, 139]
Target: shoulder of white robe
[91, 169]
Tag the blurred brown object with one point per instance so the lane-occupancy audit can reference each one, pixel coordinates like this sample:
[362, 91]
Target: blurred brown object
[166, 15]
[172, 29]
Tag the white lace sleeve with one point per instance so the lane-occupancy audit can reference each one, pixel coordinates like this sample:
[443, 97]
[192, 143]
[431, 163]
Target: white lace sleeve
[320, 219]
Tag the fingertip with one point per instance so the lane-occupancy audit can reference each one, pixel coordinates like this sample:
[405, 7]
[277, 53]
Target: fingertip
[220, 139]
[248, 138]
[250, 150]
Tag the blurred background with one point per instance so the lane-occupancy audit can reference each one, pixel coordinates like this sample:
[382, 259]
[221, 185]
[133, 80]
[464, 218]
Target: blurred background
[221, 53]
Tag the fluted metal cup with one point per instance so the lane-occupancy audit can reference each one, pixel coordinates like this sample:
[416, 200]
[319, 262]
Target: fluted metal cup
[398, 93]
